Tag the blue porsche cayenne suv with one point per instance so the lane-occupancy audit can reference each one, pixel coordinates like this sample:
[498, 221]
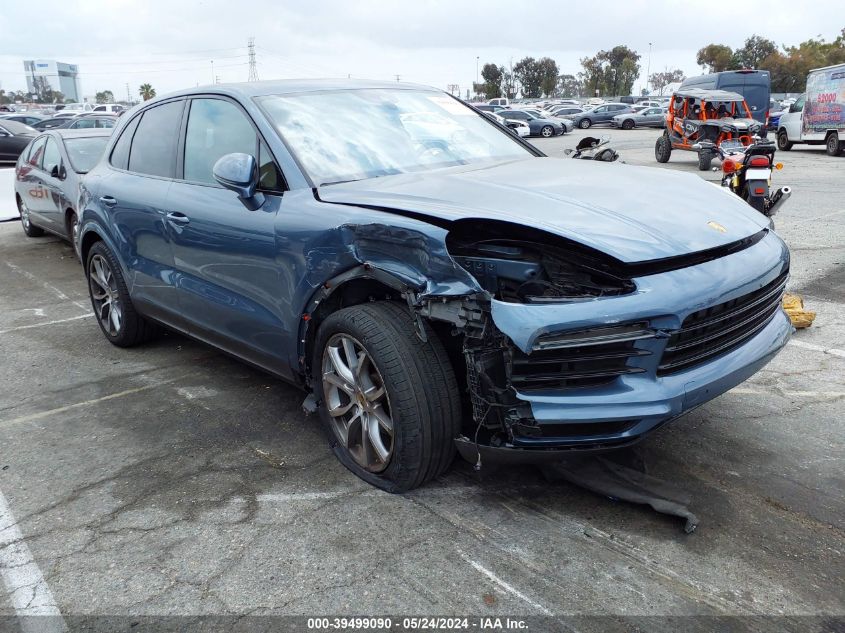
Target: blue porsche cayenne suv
[434, 283]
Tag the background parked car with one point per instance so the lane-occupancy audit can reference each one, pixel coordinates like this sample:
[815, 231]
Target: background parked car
[538, 126]
[112, 108]
[14, 137]
[566, 111]
[486, 107]
[646, 117]
[542, 113]
[520, 127]
[91, 120]
[27, 118]
[47, 179]
[602, 114]
[75, 108]
[52, 122]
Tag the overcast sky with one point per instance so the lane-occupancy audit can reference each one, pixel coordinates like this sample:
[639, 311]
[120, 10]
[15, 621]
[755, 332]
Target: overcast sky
[171, 43]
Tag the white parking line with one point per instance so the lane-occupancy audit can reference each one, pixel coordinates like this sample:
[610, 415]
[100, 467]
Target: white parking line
[818, 348]
[507, 587]
[33, 325]
[44, 284]
[25, 584]
[84, 403]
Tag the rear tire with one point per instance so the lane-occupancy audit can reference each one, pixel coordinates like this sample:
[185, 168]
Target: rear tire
[757, 203]
[420, 393]
[113, 308]
[833, 145]
[705, 160]
[585, 124]
[784, 144]
[662, 149]
[28, 227]
[73, 232]
[627, 124]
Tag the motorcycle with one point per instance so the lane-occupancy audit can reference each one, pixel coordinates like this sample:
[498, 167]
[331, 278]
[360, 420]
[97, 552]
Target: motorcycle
[592, 148]
[747, 172]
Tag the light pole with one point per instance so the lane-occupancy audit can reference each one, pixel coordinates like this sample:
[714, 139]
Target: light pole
[212, 71]
[648, 67]
[476, 75]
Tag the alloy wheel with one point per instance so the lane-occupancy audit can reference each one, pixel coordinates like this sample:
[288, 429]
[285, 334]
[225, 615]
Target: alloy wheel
[24, 216]
[74, 232]
[357, 402]
[547, 131]
[105, 295]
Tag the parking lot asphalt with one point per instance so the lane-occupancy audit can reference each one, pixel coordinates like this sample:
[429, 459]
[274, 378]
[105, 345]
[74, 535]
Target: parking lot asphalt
[170, 479]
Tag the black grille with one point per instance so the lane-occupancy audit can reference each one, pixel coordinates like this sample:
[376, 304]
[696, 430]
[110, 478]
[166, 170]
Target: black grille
[585, 366]
[721, 328]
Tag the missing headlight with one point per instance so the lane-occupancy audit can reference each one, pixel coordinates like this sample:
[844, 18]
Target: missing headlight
[531, 266]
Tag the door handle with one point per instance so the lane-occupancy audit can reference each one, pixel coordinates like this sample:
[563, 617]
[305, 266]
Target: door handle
[178, 218]
[108, 201]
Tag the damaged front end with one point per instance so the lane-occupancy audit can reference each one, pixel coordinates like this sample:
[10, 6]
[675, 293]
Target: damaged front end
[561, 348]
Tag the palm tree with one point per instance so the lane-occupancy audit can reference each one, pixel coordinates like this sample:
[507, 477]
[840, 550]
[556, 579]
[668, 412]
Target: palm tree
[146, 91]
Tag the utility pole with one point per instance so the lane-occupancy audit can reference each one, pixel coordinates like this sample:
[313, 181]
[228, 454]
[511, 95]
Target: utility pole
[476, 75]
[648, 68]
[253, 67]
[397, 77]
[212, 71]
[128, 94]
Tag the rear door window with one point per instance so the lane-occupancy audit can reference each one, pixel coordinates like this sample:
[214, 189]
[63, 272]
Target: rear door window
[52, 156]
[153, 149]
[36, 152]
[120, 153]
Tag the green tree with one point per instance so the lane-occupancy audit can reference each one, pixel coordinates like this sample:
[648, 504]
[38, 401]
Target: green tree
[610, 72]
[548, 70]
[755, 50]
[789, 68]
[106, 96]
[569, 86]
[508, 84]
[492, 76]
[715, 58]
[592, 77]
[146, 91]
[658, 81]
[527, 72]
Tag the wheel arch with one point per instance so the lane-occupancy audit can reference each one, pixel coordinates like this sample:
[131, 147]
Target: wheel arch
[358, 285]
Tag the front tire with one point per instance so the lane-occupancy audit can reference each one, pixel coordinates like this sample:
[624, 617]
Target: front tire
[627, 124]
[28, 227]
[662, 149]
[116, 315]
[585, 124]
[389, 402]
[705, 160]
[784, 144]
[547, 131]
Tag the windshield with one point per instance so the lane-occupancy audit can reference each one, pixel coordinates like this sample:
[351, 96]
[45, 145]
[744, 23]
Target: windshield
[84, 153]
[344, 135]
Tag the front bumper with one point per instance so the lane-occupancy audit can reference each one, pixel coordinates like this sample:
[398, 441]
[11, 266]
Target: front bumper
[630, 406]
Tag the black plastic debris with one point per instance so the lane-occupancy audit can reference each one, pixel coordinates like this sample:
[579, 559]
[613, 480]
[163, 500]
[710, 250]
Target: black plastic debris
[623, 477]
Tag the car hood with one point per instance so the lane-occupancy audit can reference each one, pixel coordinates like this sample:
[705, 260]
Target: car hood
[631, 213]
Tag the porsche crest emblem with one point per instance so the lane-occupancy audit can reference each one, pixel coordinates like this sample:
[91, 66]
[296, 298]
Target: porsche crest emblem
[717, 227]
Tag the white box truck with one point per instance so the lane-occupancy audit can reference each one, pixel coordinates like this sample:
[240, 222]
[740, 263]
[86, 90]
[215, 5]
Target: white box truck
[818, 116]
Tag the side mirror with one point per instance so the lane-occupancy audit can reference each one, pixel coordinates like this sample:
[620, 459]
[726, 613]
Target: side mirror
[55, 171]
[239, 173]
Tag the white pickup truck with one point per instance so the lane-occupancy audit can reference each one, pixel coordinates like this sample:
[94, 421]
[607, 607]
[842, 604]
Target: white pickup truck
[818, 116]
